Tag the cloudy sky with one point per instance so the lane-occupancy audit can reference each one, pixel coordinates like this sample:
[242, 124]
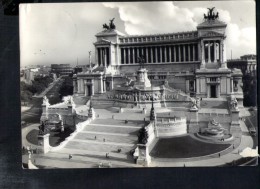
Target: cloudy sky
[64, 33]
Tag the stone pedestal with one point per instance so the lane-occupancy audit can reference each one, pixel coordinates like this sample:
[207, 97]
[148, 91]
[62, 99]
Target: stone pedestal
[194, 121]
[235, 124]
[43, 143]
[142, 79]
[144, 158]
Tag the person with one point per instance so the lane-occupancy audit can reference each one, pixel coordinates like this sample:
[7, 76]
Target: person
[119, 150]
[95, 137]
[104, 140]
[107, 155]
[233, 146]
[70, 156]
[218, 154]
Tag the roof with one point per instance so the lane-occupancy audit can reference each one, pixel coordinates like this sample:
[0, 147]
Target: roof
[109, 32]
[212, 23]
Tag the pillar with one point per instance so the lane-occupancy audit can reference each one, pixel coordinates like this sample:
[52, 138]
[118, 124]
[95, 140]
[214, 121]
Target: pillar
[174, 53]
[137, 52]
[202, 46]
[165, 54]
[189, 53]
[105, 57]
[156, 55]
[124, 55]
[133, 49]
[215, 54]
[232, 83]
[92, 87]
[101, 56]
[151, 54]
[221, 51]
[179, 48]
[170, 53]
[128, 51]
[146, 52]
[104, 84]
[193, 52]
[101, 84]
[184, 53]
[209, 58]
[160, 54]
[85, 88]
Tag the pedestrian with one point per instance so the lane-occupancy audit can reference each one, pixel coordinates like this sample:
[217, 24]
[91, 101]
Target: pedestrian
[95, 137]
[104, 140]
[233, 146]
[119, 150]
[107, 155]
[218, 154]
[70, 156]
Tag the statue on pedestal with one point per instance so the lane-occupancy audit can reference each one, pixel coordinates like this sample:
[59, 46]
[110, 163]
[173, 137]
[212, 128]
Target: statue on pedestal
[46, 100]
[42, 128]
[234, 104]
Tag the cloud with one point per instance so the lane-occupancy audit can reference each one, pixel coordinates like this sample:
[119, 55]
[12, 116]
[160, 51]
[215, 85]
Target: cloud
[165, 17]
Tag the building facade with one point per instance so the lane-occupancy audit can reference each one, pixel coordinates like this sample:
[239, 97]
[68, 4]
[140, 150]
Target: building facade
[194, 62]
[61, 69]
[247, 64]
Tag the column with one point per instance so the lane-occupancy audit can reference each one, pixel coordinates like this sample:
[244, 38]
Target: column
[160, 54]
[165, 54]
[137, 52]
[156, 54]
[124, 52]
[179, 48]
[85, 88]
[92, 87]
[128, 51]
[104, 84]
[232, 87]
[170, 53]
[142, 51]
[101, 56]
[133, 49]
[151, 54]
[221, 51]
[193, 52]
[189, 53]
[209, 60]
[215, 55]
[202, 46]
[146, 52]
[101, 84]
[174, 52]
[105, 57]
[184, 53]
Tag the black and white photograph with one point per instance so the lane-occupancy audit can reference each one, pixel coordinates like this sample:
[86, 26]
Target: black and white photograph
[138, 84]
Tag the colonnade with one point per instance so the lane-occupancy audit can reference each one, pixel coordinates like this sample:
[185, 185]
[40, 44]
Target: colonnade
[212, 51]
[103, 56]
[160, 53]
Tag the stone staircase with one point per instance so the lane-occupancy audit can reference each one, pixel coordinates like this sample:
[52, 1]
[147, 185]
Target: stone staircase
[214, 103]
[89, 147]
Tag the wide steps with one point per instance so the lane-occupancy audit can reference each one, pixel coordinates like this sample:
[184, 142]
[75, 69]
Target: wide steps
[103, 147]
[122, 130]
[131, 139]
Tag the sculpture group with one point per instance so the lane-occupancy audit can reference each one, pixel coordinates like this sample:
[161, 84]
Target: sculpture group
[211, 15]
[111, 25]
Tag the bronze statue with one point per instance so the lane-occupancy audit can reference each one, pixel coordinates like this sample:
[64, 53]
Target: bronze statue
[111, 25]
[210, 12]
[105, 26]
[42, 129]
[141, 61]
[211, 15]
